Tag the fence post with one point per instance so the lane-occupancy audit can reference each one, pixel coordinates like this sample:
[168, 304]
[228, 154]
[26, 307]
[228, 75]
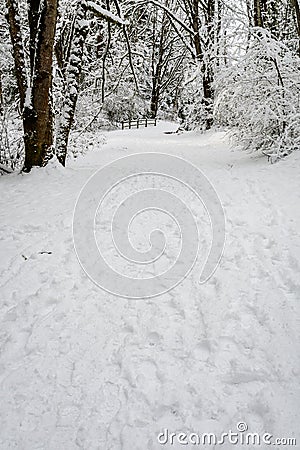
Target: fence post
[155, 121]
[138, 123]
[122, 125]
[129, 124]
[146, 122]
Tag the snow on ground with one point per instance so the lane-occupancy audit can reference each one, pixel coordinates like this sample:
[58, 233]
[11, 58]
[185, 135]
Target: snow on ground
[84, 369]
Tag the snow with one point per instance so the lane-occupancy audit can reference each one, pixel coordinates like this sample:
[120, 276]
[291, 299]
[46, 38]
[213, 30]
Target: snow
[81, 368]
[28, 98]
[106, 13]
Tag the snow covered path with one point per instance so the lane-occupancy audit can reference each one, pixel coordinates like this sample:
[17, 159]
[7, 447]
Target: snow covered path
[80, 368]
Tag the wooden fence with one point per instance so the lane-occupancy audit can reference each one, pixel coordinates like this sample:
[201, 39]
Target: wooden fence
[138, 123]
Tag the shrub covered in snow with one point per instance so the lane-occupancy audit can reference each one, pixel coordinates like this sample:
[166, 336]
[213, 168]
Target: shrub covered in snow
[260, 97]
[117, 108]
[11, 140]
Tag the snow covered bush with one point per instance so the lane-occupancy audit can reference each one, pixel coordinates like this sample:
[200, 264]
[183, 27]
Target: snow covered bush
[259, 97]
[117, 107]
[11, 142]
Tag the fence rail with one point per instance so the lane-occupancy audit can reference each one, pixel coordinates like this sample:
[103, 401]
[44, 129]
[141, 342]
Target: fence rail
[137, 123]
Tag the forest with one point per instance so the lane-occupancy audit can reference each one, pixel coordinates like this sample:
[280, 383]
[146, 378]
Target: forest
[75, 66]
[149, 224]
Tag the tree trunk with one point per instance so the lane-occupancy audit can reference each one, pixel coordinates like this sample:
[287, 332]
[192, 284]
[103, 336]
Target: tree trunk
[1, 95]
[35, 99]
[296, 6]
[258, 22]
[297, 11]
[208, 74]
[37, 116]
[157, 68]
[73, 72]
[13, 19]
[206, 67]
[154, 102]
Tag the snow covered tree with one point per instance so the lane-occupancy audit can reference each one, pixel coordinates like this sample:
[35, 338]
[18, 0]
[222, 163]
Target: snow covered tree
[259, 98]
[197, 23]
[35, 83]
[82, 62]
[163, 53]
[73, 67]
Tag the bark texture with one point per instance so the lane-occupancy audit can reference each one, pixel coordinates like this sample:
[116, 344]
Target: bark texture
[258, 21]
[35, 94]
[13, 19]
[37, 116]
